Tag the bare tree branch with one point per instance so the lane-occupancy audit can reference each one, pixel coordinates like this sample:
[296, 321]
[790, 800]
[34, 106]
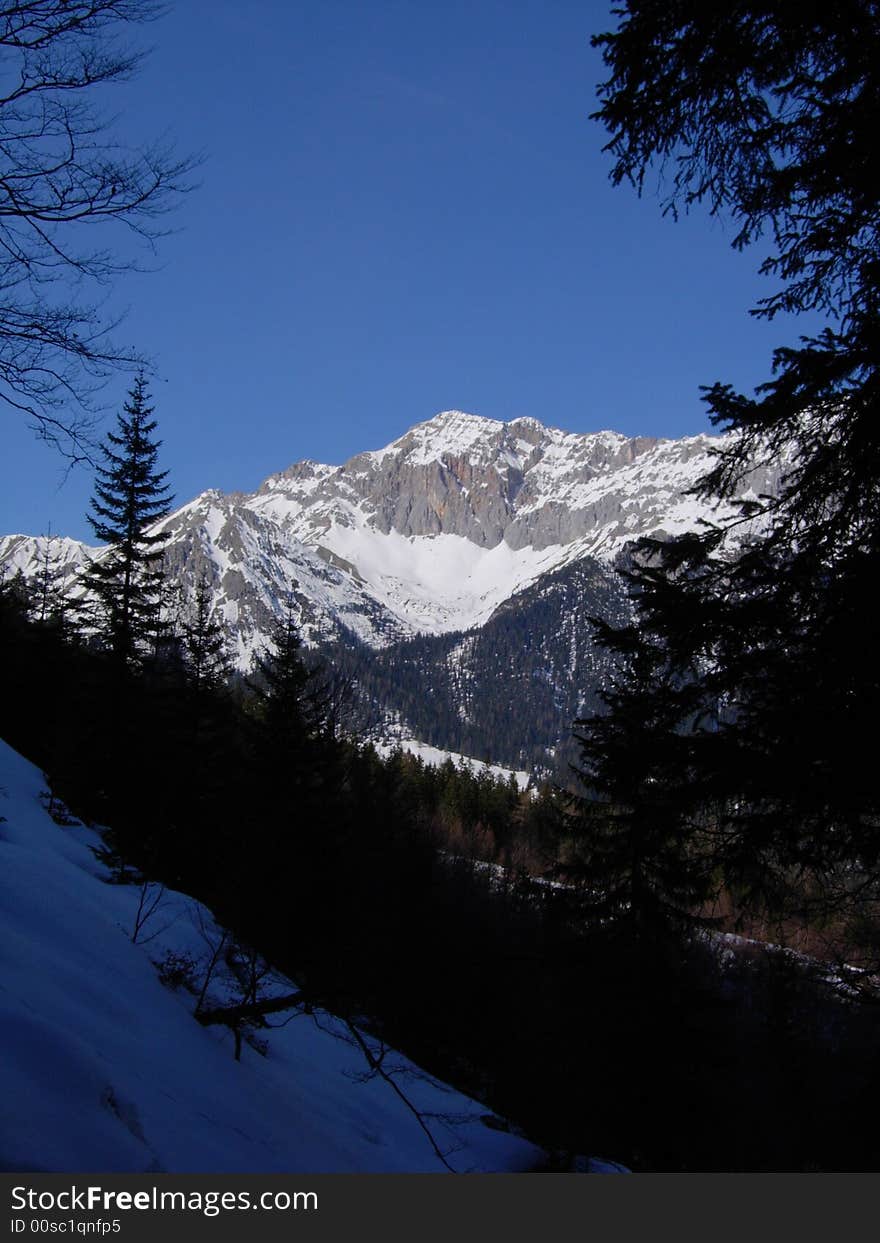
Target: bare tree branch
[62, 166]
[375, 1064]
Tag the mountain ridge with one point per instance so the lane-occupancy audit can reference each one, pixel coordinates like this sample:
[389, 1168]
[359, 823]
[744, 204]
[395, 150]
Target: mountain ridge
[428, 534]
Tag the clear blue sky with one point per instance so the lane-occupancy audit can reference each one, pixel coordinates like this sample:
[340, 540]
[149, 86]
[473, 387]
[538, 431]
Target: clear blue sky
[404, 208]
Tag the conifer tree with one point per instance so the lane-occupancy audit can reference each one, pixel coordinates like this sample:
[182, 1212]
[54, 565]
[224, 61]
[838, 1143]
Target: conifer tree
[204, 643]
[284, 679]
[130, 498]
[52, 604]
[289, 706]
[646, 852]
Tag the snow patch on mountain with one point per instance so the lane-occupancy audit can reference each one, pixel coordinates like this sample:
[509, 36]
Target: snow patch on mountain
[438, 583]
[435, 758]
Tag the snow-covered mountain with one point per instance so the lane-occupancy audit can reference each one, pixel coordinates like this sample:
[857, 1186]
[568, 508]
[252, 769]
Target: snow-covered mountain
[453, 518]
[427, 535]
[508, 531]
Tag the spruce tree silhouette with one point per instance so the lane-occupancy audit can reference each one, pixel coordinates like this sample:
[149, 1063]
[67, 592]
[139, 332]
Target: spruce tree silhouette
[130, 498]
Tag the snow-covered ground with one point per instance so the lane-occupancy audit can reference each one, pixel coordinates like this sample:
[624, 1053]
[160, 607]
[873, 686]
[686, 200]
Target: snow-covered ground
[435, 757]
[105, 1069]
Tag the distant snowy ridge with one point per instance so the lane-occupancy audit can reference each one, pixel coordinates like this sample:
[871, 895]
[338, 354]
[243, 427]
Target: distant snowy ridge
[27, 553]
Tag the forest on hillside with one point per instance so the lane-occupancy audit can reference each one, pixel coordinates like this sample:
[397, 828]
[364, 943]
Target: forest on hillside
[454, 691]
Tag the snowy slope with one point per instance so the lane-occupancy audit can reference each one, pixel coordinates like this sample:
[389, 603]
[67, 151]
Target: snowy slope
[435, 758]
[104, 1069]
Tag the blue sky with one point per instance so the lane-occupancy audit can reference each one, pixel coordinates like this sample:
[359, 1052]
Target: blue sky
[403, 208]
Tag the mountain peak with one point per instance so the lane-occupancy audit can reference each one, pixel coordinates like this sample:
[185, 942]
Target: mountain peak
[450, 431]
[445, 417]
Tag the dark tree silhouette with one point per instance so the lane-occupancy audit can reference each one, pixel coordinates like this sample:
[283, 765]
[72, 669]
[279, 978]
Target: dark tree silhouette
[130, 497]
[205, 644]
[283, 705]
[766, 113]
[646, 851]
